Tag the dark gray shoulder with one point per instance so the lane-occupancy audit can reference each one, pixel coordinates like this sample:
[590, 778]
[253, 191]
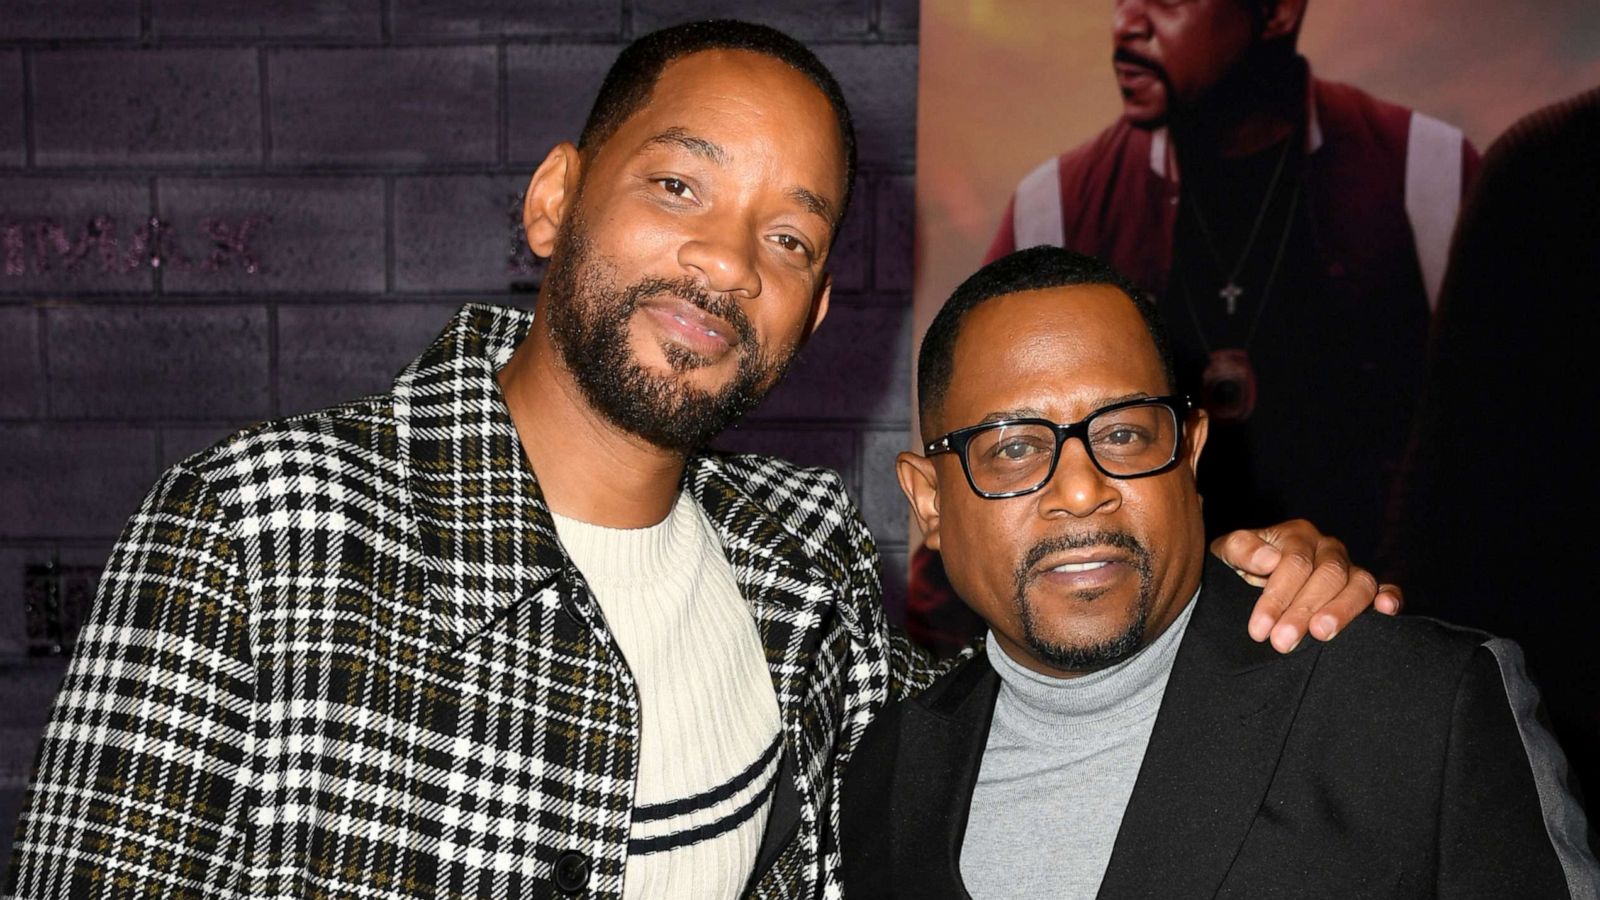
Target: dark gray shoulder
[950, 690]
[1381, 642]
[1408, 641]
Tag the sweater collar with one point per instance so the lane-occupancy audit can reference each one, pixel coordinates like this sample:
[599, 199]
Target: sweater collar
[1128, 690]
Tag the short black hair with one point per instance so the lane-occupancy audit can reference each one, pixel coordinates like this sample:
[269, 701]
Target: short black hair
[632, 78]
[1033, 269]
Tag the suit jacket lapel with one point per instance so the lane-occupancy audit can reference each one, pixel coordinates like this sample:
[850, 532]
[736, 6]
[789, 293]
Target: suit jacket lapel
[940, 752]
[486, 535]
[1226, 713]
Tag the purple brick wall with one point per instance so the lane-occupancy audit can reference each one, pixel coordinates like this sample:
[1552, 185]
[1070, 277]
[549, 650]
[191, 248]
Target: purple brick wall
[13, 135]
[214, 213]
[98, 107]
[321, 20]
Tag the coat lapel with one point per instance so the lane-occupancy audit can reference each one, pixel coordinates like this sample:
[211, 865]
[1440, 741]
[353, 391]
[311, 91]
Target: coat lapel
[940, 752]
[793, 595]
[486, 534]
[1226, 713]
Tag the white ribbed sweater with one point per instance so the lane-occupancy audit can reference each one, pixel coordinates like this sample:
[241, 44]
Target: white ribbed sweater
[709, 741]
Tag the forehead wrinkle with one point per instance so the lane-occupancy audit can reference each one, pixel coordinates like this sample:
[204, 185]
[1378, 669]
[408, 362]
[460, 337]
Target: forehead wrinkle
[679, 136]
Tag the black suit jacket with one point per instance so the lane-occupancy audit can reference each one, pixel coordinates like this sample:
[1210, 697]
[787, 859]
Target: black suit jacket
[1387, 763]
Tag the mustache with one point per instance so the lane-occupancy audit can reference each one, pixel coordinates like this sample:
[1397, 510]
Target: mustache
[1121, 540]
[1129, 57]
[688, 289]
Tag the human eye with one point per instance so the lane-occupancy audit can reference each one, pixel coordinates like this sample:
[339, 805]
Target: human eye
[677, 187]
[790, 243]
[1017, 448]
[1122, 435]
[1127, 433]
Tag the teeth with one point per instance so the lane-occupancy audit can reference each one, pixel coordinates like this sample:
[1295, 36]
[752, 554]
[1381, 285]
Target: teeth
[1080, 567]
[682, 321]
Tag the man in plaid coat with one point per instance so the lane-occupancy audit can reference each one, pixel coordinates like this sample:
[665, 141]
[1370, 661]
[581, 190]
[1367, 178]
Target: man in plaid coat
[347, 655]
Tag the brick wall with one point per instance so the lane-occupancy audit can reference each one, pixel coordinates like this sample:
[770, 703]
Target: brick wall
[323, 182]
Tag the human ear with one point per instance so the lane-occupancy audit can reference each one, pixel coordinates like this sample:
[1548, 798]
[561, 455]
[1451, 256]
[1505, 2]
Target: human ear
[550, 194]
[920, 483]
[819, 307]
[1195, 439]
[1282, 19]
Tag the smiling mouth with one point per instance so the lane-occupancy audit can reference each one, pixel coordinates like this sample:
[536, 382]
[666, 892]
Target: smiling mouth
[1091, 568]
[701, 333]
[684, 321]
[1082, 567]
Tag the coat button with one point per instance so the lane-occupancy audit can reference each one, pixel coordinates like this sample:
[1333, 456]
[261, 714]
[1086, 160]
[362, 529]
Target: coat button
[572, 872]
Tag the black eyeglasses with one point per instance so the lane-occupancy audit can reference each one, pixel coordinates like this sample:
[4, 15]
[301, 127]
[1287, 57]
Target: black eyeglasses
[1013, 457]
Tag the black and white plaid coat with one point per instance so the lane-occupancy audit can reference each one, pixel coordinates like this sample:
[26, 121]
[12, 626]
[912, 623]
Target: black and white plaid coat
[344, 655]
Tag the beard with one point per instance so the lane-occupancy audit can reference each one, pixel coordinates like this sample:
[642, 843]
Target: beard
[589, 314]
[1091, 656]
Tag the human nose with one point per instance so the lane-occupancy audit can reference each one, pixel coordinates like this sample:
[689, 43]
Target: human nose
[1077, 488]
[723, 259]
[1129, 21]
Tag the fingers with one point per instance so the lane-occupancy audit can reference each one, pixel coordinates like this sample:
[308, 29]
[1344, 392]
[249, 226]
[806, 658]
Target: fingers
[1311, 587]
[1297, 549]
[1390, 600]
[1291, 573]
[1329, 575]
[1351, 601]
[1250, 553]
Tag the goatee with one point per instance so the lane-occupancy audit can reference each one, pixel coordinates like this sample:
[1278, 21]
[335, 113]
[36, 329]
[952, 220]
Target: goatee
[1087, 657]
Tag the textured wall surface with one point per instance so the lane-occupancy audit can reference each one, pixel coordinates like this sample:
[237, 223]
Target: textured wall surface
[322, 183]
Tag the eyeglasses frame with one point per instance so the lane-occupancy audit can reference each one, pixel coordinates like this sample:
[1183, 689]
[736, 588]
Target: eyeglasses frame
[956, 442]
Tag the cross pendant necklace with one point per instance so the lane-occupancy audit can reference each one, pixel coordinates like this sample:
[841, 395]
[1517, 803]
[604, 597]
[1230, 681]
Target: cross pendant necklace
[1231, 291]
[1230, 295]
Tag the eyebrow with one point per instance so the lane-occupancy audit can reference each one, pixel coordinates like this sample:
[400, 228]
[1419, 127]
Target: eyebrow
[815, 203]
[697, 145]
[1028, 412]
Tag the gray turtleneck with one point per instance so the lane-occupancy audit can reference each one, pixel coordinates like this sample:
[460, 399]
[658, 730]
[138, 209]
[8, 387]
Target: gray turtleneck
[1058, 770]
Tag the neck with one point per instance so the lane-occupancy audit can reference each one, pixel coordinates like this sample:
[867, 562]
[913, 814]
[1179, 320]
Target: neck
[1261, 103]
[587, 468]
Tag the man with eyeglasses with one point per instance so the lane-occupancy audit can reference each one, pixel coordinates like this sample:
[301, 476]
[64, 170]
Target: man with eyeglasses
[1119, 735]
